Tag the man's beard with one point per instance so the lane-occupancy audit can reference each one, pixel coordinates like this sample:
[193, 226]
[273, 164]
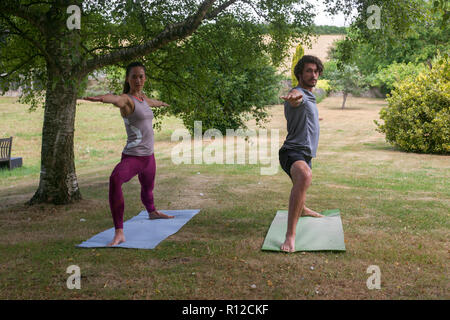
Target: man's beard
[309, 84]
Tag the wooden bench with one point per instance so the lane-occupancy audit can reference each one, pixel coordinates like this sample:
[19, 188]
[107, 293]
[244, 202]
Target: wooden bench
[5, 155]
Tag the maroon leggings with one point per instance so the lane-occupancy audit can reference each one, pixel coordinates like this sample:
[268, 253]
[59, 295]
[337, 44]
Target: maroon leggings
[127, 168]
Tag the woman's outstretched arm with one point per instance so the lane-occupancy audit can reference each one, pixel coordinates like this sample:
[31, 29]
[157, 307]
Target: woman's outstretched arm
[153, 103]
[122, 101]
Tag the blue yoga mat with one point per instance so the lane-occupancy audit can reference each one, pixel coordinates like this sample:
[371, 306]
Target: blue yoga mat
[141, 232]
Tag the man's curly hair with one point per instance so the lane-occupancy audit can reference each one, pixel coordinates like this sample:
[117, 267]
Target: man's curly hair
[298, 70]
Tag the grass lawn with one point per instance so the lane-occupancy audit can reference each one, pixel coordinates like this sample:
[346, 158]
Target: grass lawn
[394, 207]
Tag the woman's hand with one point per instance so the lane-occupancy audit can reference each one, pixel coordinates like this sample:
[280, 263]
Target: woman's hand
[155, 103]
[163, 104]
[94, 99]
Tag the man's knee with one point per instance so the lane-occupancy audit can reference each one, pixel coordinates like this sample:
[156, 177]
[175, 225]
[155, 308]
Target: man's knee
[301, 173]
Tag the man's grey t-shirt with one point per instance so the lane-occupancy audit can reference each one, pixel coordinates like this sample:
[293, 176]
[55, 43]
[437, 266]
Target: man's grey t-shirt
[302, 125]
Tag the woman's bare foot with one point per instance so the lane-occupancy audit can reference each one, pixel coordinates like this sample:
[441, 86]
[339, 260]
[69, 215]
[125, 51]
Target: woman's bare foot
[119, 237]
[289, 244]
[158, 215]
[310, 213]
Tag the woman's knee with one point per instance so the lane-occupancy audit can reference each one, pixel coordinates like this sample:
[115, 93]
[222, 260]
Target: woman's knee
[115, 179]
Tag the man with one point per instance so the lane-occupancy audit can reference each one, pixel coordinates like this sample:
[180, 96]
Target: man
[301, 142]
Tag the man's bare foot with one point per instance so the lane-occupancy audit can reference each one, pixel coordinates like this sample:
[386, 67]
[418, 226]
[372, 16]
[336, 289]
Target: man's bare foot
[289, 244]
[119, 237]
[310, 213]
[158, 215]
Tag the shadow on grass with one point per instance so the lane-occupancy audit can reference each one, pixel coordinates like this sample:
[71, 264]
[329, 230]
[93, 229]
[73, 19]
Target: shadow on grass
[19, 172]
[345, 109]
[382, 146]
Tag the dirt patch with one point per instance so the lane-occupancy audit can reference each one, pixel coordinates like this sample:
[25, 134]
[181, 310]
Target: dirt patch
[339, 186]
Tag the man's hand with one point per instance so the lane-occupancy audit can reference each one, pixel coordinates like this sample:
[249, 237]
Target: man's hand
[294, 97]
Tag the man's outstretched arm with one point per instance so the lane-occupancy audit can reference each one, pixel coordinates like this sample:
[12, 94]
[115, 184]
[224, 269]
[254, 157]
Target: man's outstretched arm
[294, 97]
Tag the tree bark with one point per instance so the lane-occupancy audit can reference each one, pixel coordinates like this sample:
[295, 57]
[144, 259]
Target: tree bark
[58, 181]
[345, 99]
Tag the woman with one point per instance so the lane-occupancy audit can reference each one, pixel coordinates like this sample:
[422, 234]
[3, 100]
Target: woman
[137, 156]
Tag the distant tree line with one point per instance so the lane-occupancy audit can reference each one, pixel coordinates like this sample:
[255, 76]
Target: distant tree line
[315, 29]
[329, 30]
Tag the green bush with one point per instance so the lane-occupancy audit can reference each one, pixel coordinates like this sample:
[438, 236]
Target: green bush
[329, 67]
[299, 52]
[388, 77]
[417, 118]
[322, 89]
[324, 84]
[320, 94]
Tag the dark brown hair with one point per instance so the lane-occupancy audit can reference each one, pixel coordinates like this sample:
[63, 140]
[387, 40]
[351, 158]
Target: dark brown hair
[126, 85]
[298, 70]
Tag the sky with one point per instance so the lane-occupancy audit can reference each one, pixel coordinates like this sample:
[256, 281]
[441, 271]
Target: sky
[323, 18]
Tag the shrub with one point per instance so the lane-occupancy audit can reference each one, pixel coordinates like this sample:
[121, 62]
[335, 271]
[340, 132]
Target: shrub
[299, 52]
[320, 94]
[329, 67]
[324, 84]
[387, 78]
[322, 89]
[417, 118]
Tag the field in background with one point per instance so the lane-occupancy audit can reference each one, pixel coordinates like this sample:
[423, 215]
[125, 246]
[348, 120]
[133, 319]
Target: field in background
[394, 206]
[320, 47]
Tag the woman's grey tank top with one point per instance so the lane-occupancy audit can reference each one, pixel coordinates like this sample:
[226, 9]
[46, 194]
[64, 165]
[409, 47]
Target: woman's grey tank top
[139, 130]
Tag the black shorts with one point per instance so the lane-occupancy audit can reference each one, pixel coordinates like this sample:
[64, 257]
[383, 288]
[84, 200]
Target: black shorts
[289, 156]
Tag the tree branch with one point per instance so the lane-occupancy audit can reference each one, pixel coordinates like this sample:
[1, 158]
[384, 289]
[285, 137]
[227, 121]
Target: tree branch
[169, 34]
[259, 13]
[35, 3]
[24, 35]
[176, 83]
[15, 9]
[19, 66]
[219, 9]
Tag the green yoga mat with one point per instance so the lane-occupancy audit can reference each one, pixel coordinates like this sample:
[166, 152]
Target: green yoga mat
[313, 234]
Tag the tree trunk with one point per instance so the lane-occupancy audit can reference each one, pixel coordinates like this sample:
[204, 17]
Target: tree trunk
[345, 99]
[58, 181]
[66, 67]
